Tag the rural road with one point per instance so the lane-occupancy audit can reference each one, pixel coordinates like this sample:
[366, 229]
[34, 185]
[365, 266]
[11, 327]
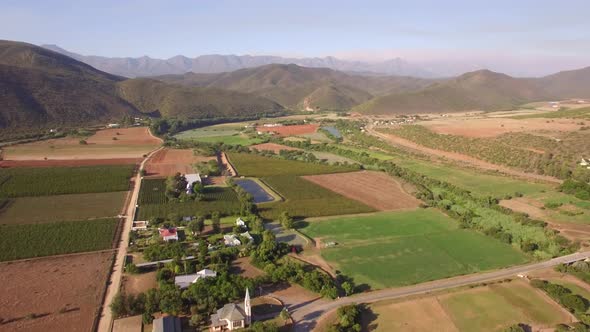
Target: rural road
[404, 143]
[307, 314]
[105, 321]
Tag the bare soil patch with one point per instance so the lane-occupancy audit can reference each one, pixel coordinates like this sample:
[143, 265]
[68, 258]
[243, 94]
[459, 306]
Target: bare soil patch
[68, 163]
[104, 144]
[276, 148]
[168, 162]
[491, 127]
[243, 267]
[65, 293]
[375, 189]
[139, 283]
[290, 130]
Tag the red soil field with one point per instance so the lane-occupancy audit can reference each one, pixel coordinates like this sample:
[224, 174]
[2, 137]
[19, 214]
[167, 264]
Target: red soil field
[290, 130]
[168, 162]
[68, 163]
[65, 293]
[276, 148]
[375, 189]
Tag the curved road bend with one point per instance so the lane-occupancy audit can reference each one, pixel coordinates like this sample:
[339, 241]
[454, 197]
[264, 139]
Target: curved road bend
[105, 321]
[307, 314]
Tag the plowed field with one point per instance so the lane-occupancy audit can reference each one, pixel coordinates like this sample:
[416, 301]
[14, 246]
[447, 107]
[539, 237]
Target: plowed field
[171, 161]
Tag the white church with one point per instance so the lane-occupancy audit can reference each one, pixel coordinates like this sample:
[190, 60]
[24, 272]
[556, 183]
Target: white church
[232, 316]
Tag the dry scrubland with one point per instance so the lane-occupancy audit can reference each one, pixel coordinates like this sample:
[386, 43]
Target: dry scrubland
[130, 143]
[53, 294]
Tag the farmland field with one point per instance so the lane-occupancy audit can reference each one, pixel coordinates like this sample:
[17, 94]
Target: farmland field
[47, 239]
[73, 207]
[478, 182]
[401, 248]
[306, 199]
[153, 203]
[19, 182]
[257, 166]
[230, 140]
[371, 153]
[129, 143]
[211, 131]
[65, 292]
[292, 130]
[579, 113]
[490, 308]
[276, 148]
[168, 162]
[375, 189]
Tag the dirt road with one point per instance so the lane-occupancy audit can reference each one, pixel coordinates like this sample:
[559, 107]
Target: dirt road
[106, 319]
[307, 314]
[398, 141]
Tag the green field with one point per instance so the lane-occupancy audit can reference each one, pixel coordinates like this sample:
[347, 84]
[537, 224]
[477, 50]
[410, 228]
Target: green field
[37, 240]
[20, 182]
[258, 166]
[306, 199]
[403, 248]
[153, 203]
[496, 307]
[372, 154]
[230, 140]
[30, 210]
[479, 183]
[578, 113]
[212, 131]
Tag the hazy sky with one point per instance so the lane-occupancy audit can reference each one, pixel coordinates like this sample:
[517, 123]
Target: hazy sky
[549, 33]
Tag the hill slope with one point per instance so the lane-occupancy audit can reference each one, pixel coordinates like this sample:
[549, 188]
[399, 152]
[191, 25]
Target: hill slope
[567, 84]
[292, 85]
[479, 90]
[183, 102]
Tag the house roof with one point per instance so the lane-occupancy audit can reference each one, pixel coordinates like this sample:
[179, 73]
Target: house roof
[231, 312]
[164, 232]
[191, 178]
[183, 281]
[167, 324]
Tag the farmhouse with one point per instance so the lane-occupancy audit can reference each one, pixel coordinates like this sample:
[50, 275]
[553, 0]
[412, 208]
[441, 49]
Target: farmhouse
[190, 180]
[167, 324]
[232, 316]
[168, 234]
[187, 280]
[231, 240]
[240, 222]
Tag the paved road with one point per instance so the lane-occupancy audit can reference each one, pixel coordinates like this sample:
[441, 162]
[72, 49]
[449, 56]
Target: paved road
[105, 322]
[307, 314]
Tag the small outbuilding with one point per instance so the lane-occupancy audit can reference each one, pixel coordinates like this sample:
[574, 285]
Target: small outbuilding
[184, 281]
[167, 324]
[168, 234]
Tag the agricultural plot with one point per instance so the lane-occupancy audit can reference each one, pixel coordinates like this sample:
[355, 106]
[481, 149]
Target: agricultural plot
[490, 308]
[238, 139]
[292, 130]
[104, 144]
[276, 148]
[168, 162]
[401, 248]
[153, 202]
[375, 189]
[19, 182]
[211, 131]
[42, 209]
[257, 166]
[579, 113]
[306, 199]
[48, 239]
[479, 183]
[371, 153]
[259, 194]
[332, 158]
[63, 292]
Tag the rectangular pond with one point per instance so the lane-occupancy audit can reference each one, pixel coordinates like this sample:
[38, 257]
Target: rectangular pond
[258, 193]
[333, 130]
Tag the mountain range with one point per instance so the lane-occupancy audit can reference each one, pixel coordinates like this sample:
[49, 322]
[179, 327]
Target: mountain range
[41, 88]
[216, 63]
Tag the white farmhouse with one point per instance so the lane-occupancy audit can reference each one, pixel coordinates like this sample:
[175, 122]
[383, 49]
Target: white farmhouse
[186, 280]
[190, 180]
[231, 240]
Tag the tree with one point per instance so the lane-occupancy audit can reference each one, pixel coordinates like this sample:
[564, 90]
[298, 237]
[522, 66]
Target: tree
[574, 302]
[285, 314]
[170, 299]
[348, 288]
[118, 305]
[196, 226]
[216, 221]
[514, 328]
[286, 220]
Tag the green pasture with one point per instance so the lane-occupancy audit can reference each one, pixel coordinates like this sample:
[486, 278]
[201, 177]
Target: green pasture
[371, 153]
[402, 248]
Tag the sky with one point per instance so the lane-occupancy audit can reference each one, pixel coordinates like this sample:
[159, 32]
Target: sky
[518, 35]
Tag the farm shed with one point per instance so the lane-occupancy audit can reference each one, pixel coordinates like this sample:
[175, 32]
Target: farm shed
[167, 324]
[186, 280]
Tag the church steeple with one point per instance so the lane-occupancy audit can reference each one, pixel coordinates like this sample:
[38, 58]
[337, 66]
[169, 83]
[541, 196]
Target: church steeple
[247, 308]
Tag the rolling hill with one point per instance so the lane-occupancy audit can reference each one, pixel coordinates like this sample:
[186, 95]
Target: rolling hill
[567, 84]
[40, 88]
[479, 90]
[292, 85]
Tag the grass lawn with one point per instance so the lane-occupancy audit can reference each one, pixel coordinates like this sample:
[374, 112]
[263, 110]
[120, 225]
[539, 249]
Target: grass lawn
[306, 199]
[402, 248]
[496, 307]
[257, 166]
[62, 208]
[474, 181]
[38, 240]
[42, 181]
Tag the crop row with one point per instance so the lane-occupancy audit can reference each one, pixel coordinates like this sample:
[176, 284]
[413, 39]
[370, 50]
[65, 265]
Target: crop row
[43, 181]
[38, 240]
[249, 164]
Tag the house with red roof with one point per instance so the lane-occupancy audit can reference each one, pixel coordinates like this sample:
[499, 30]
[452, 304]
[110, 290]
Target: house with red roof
[168, 234]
